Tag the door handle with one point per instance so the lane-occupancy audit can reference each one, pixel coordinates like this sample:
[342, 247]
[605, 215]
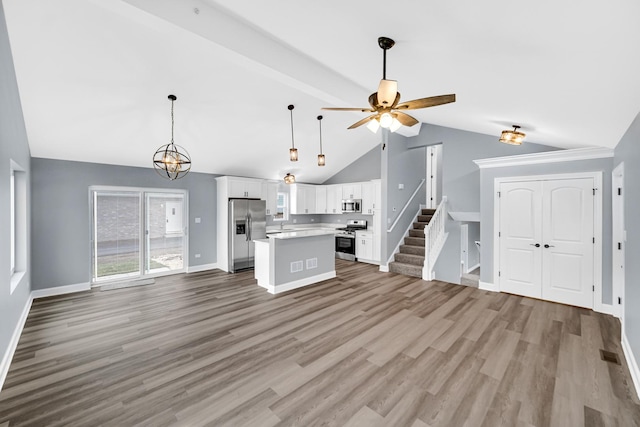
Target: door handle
[537, 245]
[549, 246]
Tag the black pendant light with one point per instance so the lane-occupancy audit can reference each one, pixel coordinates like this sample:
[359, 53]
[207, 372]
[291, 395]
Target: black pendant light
[293, 151]
[171, 161]
[321, 159]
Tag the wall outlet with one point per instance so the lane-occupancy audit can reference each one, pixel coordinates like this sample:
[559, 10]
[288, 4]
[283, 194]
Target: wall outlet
[197, 255]
[197, 220]
[394, 208]
[400, 186]
[312, 219]
[295, 220]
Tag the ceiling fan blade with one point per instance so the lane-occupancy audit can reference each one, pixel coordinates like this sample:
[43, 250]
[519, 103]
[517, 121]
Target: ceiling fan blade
[363, 121]
[387, 91]
[431, 101]
[405, 119]
[363, 110]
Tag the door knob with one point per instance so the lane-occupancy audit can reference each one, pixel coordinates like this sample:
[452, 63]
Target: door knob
[549, 246]
[537, 245]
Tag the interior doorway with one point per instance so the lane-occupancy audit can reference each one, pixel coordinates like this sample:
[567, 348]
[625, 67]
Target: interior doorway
[433, 182]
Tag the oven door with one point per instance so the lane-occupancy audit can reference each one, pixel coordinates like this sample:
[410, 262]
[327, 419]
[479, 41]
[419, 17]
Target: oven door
[346, 247]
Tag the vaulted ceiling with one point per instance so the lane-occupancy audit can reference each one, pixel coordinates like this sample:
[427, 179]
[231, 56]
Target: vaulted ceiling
[94, 75]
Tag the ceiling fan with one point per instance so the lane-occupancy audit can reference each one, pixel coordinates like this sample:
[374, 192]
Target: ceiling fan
[387, 112]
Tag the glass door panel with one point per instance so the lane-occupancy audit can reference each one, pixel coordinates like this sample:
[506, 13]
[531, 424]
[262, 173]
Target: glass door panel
[116, 235]
[165, 232]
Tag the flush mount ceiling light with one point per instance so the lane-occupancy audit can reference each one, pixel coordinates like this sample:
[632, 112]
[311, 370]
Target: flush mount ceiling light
[512, 137]
[384, 104]
[289, 178]
[171, 161]
[320, 156]
[293, 151]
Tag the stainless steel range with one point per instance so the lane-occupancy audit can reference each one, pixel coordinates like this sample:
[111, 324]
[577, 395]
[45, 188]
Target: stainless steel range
[346, 239]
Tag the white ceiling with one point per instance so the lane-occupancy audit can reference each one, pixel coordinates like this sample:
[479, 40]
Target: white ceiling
[94, 75]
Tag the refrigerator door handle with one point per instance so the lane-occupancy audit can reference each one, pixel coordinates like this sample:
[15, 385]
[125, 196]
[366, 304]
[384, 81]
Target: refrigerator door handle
[248, 227]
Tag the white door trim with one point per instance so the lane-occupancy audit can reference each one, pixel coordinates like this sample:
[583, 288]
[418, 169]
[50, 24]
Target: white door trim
[618, 236]
[597, 226]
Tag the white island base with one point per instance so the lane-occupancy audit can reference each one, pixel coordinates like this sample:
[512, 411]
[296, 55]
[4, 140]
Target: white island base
[287, 261]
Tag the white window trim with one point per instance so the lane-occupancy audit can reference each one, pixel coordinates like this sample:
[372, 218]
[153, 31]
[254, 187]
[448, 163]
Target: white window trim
[143, 191]
[18, 240]
[285, 211]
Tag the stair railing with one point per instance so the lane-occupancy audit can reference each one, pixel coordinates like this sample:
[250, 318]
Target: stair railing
[434, 238]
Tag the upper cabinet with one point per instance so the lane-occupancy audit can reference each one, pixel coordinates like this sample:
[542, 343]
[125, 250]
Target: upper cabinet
[270, 195]
[334, 198]
[302, 199]
[321, 199]
[371, 197]
[352, 191]
[245, 188]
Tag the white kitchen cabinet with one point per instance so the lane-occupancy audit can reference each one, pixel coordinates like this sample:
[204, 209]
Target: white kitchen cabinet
[352, 191]
[371, 196]
[334, 198]
[364, 246]
[270, 195]
[302, 198]
[245, 188]
[321, 199]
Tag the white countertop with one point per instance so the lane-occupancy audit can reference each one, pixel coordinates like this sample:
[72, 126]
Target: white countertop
[302, 233]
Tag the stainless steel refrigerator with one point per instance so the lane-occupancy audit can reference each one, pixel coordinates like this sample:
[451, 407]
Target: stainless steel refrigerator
[247, 222]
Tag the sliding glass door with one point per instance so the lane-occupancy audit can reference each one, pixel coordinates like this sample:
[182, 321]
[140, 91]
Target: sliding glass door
[164, 232]
[137, 233]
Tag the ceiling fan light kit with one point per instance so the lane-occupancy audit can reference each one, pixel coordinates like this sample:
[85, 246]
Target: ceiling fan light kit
[512, 137]
[385, 103]
[171, 161]
[293, 151]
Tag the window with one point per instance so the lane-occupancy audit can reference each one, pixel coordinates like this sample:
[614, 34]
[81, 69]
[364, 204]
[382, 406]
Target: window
[18, 223]
[12, 190]
[282, 212]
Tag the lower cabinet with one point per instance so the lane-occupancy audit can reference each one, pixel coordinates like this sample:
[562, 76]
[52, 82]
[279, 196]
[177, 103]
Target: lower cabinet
[364, 246]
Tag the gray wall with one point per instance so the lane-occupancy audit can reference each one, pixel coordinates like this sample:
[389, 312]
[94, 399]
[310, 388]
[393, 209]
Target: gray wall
[407, 165]
[61, 220]
[461, 180]
[486, 225]
[13, 145]
[365, 168]
[628, 151]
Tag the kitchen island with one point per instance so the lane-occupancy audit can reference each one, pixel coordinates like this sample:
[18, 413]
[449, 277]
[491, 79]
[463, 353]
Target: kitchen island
[290, 260]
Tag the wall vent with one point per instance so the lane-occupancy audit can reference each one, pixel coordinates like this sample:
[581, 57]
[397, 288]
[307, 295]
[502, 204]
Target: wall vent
[296, 266]
[312, 263]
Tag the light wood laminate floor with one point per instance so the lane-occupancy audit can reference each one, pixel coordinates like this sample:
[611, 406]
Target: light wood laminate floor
[363, 349]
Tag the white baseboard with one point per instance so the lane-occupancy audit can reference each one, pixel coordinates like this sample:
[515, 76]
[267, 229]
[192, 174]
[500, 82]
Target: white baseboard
[203, 267]
[631, 362]
[298, 283]
[60, 290]
[604, 308]
[486, 286]
[473, 267]
[384, 268]
[13, 344]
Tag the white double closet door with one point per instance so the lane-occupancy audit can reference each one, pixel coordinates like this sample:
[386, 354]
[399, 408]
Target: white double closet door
[546, 240]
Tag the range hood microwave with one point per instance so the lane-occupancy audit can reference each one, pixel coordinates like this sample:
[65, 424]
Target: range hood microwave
[351, 205]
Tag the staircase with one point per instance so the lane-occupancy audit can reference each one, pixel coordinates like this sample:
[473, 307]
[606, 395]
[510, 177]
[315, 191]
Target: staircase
[410, 260]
